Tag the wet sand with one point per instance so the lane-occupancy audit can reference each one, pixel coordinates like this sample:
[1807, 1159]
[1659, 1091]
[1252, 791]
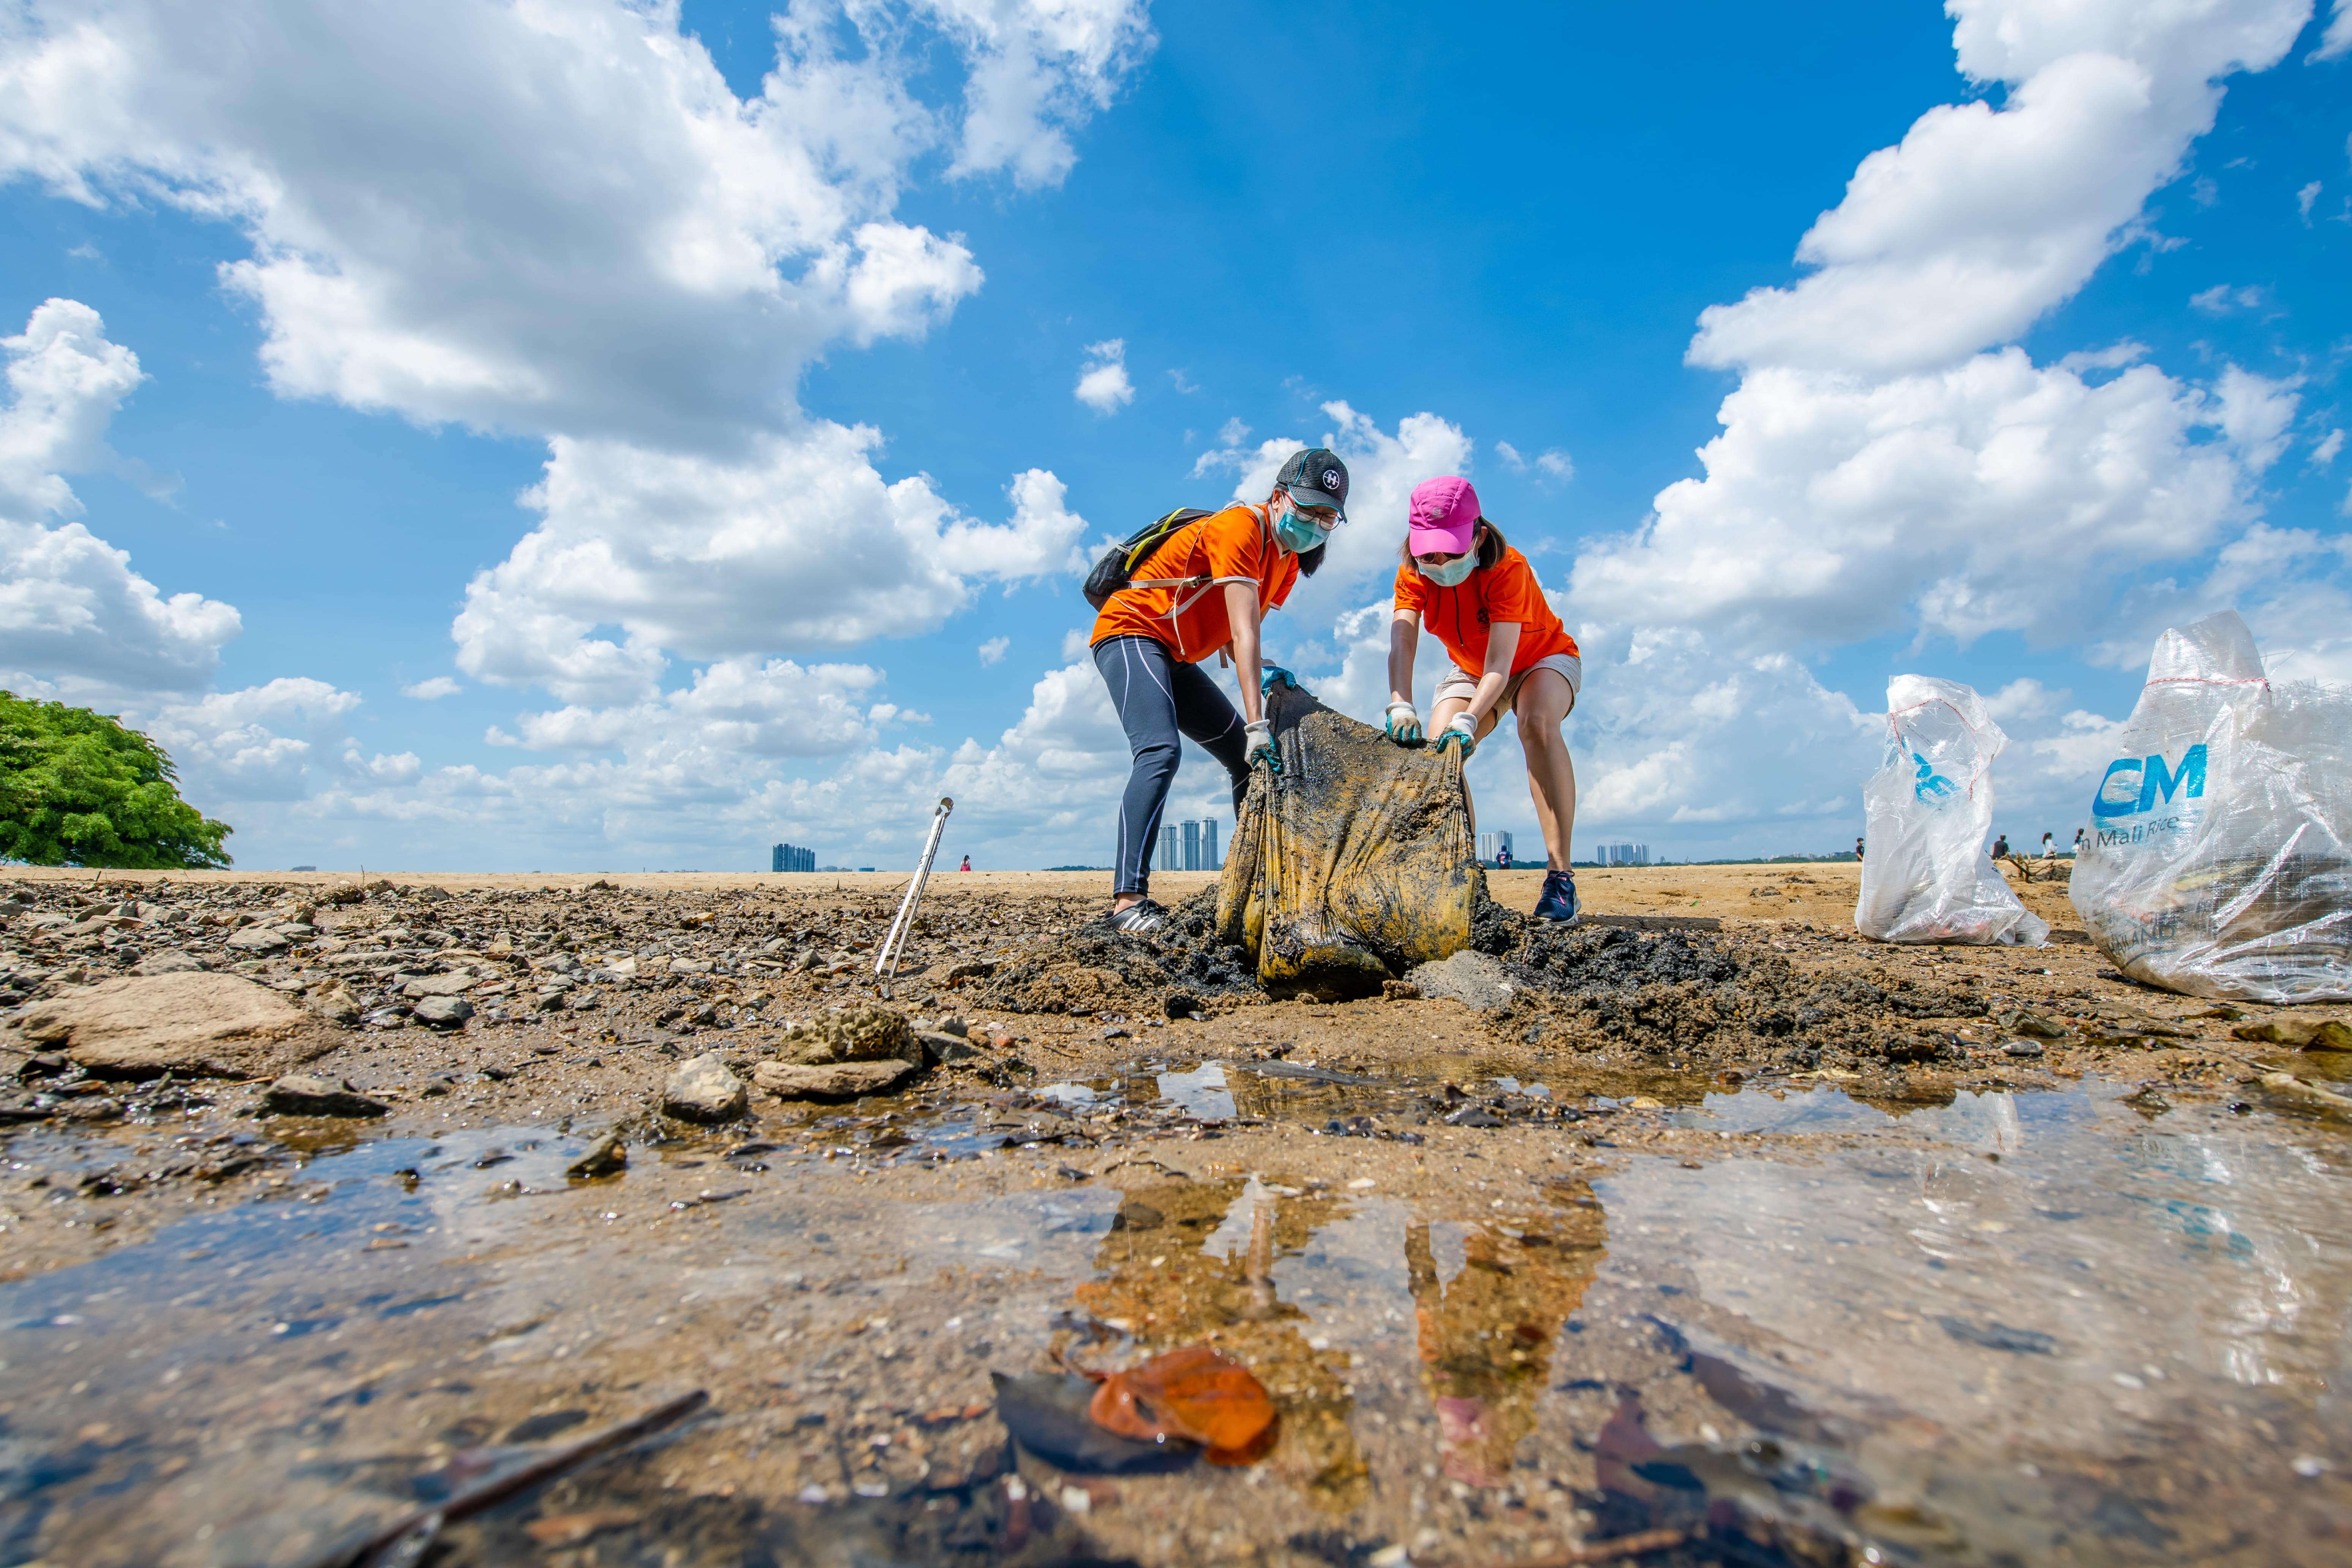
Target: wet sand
[1520, 1280]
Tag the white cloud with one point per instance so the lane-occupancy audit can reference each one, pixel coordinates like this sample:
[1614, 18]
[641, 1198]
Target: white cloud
[75, 618]
[2221, 300]
[2303, 199]
[2337, 42]
[1102, 385]
[1554, 465]
[432, 691]
[2255, 413]
[1990, 497]
[2324, 453]
[800, 543]
[235, 747]
[1983, 219]
[993, 651]
[553, 218]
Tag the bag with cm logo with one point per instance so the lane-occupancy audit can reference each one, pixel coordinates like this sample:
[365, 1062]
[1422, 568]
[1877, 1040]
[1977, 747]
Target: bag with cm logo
[1926, 874]
[2217, 859]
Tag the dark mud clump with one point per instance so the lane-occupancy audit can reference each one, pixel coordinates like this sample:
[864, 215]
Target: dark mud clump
[1179, 969]
[1688, 999]
[1496, 929]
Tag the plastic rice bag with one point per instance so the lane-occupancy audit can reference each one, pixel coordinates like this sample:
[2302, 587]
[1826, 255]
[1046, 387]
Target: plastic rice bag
[2216, 862]
[1926, 876]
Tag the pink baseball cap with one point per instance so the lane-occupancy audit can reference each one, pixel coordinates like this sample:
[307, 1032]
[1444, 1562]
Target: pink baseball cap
[1444, 516]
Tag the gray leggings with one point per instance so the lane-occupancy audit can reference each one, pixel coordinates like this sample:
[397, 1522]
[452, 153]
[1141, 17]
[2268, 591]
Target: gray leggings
[1158, 700]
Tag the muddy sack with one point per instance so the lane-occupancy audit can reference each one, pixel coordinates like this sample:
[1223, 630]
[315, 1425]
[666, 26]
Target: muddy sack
[1353, 864]
[1926, 876]
[2218, 856]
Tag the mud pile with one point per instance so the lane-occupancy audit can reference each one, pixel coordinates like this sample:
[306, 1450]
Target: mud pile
[1683, 999]
[1181, 969]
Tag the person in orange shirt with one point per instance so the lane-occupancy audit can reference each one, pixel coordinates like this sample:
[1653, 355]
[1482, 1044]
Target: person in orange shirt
[1204, 592]
[1479, 596]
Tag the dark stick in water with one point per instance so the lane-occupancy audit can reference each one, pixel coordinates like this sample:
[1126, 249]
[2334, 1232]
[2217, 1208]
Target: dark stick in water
[404, 1541]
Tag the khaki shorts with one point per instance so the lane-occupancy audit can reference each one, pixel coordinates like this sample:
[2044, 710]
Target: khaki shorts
[1462, 688]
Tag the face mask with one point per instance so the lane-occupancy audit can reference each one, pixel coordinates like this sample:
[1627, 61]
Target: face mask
[1453, 574]
[1297, 534]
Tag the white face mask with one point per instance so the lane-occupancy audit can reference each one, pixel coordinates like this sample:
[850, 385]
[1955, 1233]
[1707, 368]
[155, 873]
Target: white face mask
[1453, 574]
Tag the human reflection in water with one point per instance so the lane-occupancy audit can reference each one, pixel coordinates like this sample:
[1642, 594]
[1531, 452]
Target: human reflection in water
[1487, 1315]
[1192, 1263]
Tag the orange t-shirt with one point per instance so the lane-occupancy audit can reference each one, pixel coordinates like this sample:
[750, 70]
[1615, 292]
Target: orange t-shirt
[1232, 545]
[1459, 616]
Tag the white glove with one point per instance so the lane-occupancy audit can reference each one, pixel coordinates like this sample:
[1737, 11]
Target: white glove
[1403, 725]
[1461, 728]
[1257, 744]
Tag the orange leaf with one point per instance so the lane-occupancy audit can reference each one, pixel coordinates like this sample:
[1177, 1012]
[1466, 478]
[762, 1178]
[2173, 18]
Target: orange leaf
[1194, 1393]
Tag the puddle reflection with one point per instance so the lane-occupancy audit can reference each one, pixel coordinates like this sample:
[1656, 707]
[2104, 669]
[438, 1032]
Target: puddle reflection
[2013, 1327]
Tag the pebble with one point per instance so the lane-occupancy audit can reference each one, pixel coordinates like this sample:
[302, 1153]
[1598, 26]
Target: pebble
[608, 1157]
[702, 1089]
[305, 1094]
[443, 1012]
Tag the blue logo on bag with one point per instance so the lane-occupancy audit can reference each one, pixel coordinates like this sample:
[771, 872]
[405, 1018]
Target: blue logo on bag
[2148, 783]
[1930, 787]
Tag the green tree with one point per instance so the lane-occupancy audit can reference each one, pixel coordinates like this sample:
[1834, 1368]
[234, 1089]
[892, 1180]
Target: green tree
[78, 789]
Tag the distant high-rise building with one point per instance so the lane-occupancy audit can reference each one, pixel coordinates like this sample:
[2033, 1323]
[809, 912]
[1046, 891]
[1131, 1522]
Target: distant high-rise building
[1191, 832]
[1170, 852]
[784, 858]
[1623, 854]
[1491, 844]
[1210, 859]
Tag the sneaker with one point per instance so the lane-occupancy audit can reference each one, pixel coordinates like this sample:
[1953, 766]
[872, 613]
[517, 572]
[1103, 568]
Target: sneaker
[1140, 916]
[1559, 900]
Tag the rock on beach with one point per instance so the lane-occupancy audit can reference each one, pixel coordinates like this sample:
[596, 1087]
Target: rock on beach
[190, 1022]
[702, 1089]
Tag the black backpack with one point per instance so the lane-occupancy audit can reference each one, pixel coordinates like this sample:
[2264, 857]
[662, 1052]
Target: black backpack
[1116, 570]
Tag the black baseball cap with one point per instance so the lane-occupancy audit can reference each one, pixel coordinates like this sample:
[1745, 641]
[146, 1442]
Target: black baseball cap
[1316, 476]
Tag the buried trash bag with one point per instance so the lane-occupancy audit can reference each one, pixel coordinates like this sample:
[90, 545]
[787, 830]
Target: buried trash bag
[1354, 863]
[1925, 873]
[2217, 860]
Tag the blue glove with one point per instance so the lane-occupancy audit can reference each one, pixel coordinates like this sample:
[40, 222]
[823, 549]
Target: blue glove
[1259, 746]
[1403, 725]
[1464, 728]
[1270, 673]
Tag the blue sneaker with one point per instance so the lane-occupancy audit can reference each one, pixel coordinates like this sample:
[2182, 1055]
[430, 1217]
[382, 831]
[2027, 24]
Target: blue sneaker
[1559, 900]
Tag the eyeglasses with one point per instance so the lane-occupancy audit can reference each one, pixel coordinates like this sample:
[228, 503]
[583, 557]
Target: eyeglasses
[1443, 557]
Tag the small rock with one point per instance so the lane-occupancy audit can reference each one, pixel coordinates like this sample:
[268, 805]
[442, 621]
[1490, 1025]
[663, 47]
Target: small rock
[2303, 1034]
[581, 1001]
[805, 959]
[2292, 1091]
[2021, 1022]
[829, 1080]
[1115, 1033]
[702, 1089]
[609, 1157]
[1400, 991]
[456, 983]
[432, 895]
[1180, 1003]
[939, 1046]
[103, 1108]
[335, 1003]
[386, 1018]
[951, 1025]
[2022, 1049]
[302, 1094]
[442, 1011]
[167, 961]
[259, 939]
[1468, 976]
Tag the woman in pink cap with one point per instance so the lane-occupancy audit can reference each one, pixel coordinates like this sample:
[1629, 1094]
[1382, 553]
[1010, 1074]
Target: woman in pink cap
[1510, 653]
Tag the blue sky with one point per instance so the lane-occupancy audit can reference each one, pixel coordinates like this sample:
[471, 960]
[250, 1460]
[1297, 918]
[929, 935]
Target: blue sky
[719, 456]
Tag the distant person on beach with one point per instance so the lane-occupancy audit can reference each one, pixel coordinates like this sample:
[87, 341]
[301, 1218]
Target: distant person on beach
[1503, 857]
[1204, 592]
[1857, 847]
[1459, 578]
[967, 864]
[2078, 840]
[2049, 846]
[2001, 847]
